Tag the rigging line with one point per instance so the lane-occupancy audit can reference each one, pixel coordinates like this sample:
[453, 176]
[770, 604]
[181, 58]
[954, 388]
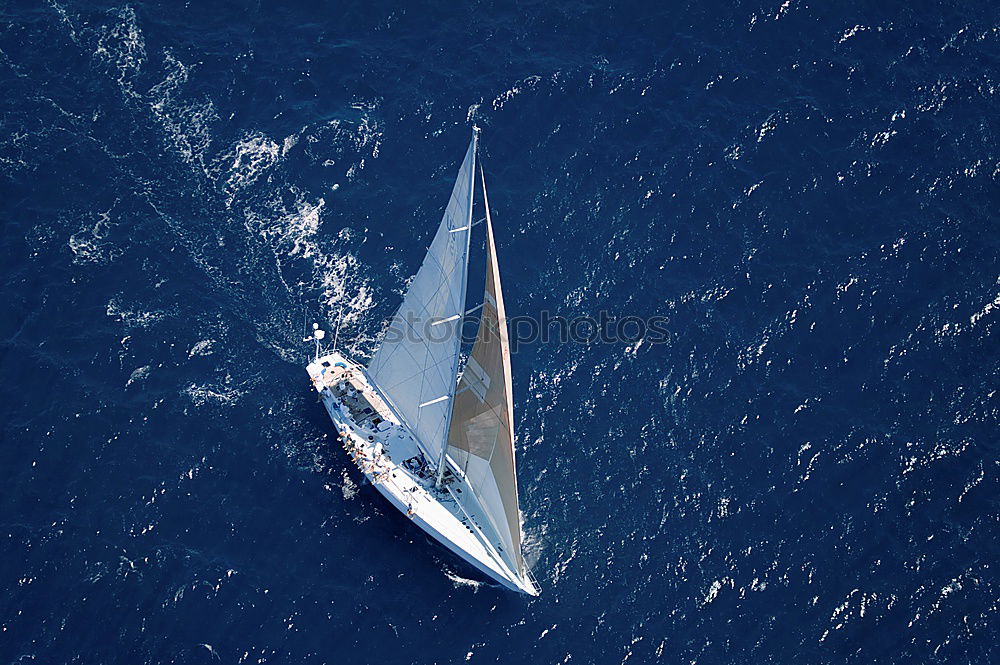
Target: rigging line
[340, 318]
[446, 275]
[419, 373]
[473, 178]
[403, 347]
[453, 195]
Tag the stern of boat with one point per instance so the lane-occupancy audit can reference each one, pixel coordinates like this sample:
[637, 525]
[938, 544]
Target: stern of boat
[324, 370]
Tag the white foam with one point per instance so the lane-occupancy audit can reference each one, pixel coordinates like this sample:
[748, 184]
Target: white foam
[985, 311]
[714, 589]
[202, 348]
[84, 249]
[460, 581]
[122, 46]
[853, 31]
[138, 375]
[528, 83]
[187, 124]
[89, 245]
[241, 165]
[133, 318]
[347, 486]
[206, 394]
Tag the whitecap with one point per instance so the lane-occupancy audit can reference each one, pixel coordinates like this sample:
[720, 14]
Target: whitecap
[140, 374]
[201, 395]
[123, 47]
[241, 165]
[187, 124]
[133, 318]
[202, 348]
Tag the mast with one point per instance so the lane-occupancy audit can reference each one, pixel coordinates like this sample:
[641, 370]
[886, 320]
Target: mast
[441, 462]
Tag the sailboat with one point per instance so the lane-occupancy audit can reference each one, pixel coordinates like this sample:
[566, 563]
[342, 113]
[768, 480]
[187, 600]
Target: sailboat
[437, 441]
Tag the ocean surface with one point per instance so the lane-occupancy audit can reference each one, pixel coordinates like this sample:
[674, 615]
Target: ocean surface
[805, 472]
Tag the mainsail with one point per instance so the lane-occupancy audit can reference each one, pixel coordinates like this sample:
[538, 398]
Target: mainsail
[417, 362]
[481, 436]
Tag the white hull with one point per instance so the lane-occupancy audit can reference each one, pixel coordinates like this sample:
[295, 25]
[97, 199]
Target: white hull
[389, 455]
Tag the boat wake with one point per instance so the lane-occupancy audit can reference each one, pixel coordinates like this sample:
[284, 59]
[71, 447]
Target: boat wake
[460, 581]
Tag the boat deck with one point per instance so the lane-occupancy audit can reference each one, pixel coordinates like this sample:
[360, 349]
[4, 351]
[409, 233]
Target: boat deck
[386, 452]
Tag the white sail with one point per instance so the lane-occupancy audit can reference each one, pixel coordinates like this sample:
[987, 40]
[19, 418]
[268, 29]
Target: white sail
[417, 363]
[407, 402]
[481, 436]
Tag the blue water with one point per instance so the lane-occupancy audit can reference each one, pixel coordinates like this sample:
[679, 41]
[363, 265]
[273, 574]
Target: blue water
[806, 473]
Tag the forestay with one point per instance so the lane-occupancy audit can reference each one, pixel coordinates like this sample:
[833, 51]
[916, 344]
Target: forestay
[481, 436]
[417, 363]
